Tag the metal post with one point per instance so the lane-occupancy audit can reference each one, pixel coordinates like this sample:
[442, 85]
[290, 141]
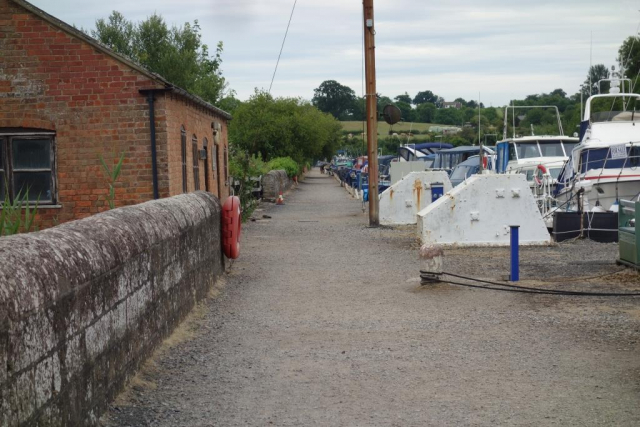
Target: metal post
[515, 253]
[372, 111]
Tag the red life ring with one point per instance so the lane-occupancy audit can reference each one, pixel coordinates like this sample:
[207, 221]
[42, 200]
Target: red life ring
[231, 227]
[542, 169]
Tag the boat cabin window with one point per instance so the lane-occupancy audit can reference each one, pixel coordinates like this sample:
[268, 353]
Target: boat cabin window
[461, 173]
[568, 147]
[617, 109]
[555, 172]
[551, 149]
[527, 150]
[598, 158]
[404, 153]
[512, 152]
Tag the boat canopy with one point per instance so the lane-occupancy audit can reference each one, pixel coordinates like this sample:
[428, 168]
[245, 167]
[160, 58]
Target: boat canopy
[411, 152]
[450, 158]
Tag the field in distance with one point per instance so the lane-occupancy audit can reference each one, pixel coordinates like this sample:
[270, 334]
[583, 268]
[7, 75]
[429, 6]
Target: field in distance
[383, 128]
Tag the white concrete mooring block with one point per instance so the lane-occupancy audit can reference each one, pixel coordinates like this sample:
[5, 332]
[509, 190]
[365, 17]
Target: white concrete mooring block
[479, 211]
[400, 203]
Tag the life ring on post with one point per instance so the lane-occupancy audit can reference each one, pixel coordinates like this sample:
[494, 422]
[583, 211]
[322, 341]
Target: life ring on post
[231, 227]
[538, 180]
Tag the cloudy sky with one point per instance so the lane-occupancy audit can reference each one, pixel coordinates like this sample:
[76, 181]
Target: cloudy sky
[501, 48]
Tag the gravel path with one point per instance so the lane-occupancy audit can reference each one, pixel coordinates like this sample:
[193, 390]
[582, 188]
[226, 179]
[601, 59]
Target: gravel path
[322, 322]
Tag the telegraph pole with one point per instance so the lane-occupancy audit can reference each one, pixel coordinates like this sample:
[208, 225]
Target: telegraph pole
[372, 111]
[481, 157]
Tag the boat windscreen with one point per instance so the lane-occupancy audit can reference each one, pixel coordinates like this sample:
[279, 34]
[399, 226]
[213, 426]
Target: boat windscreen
[527, 150]
[555, 172]
[551, 149]
[615, 109]
[462, 172]
[404, 153]
[615, 116]
[568, 147]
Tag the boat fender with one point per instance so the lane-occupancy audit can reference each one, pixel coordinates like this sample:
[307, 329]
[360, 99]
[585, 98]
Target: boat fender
[542, 169]
[231, 227]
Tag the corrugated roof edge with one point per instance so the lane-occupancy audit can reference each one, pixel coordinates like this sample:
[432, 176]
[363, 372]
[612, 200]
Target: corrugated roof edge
[128, 62]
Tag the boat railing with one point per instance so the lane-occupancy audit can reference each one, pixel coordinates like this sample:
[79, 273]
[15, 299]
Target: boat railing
[514, 107]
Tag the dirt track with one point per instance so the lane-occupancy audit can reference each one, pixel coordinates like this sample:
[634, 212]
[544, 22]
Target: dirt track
[322, 322]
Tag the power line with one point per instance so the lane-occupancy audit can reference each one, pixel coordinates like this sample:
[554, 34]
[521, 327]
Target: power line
[282, 47]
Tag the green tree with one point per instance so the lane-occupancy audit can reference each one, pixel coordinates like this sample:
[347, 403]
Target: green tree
[449, 116]
[596, 73]
[425, 112]
[403, 98]
[629, 58]
[284, 127]
[425, 96]
[336, 99]
[117, 33]
[175, 53]
[383, 101]
[408, 114]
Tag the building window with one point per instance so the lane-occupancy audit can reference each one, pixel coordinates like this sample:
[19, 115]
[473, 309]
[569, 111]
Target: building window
[205, 147]
[214, 158]
[226, 167]
[183, 147]
[27, 164]
[196, 163]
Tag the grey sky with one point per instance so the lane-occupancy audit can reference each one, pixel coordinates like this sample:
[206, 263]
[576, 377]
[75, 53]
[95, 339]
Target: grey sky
[456, 48]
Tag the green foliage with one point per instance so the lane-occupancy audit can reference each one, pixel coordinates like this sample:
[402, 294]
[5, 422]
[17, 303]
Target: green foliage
[425, 96]
[285, 163]
[112, 176]
[408, 114]
[243, 167]
[12, 218]
[336, 99]
[425, 112]
[629, 59]
[176, 53]
[284, 127]
[404, 98]
[449, 116]
[596, 72]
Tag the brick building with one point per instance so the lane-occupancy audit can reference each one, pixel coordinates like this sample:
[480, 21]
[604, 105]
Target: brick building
[66, 100]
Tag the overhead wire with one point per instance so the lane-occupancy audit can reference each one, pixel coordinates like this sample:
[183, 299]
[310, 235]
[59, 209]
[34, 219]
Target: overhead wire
[282, 47]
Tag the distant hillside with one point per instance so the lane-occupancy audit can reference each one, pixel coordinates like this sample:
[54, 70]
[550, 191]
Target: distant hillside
[383, 127]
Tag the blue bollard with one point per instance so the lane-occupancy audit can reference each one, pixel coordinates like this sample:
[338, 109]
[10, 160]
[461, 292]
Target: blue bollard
[515, 253]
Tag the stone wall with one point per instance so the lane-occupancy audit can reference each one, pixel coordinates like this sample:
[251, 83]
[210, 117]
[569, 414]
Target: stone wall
[273, 183]
[82, 305]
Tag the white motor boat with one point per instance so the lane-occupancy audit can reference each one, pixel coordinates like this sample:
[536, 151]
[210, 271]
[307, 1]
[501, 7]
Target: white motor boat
[540, 158]
[537, 157]
[605, 165]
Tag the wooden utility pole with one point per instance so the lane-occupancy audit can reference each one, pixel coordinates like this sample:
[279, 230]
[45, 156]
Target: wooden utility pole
[372, 111]
[481, 157]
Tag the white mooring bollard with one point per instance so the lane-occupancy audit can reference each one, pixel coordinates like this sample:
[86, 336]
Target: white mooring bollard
[431, 263]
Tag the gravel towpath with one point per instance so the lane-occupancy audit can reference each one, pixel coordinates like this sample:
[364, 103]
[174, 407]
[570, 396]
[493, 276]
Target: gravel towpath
[322, 321]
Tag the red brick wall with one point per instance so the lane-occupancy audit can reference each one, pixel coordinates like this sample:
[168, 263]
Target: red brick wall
[196, 121]
[52, 80]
